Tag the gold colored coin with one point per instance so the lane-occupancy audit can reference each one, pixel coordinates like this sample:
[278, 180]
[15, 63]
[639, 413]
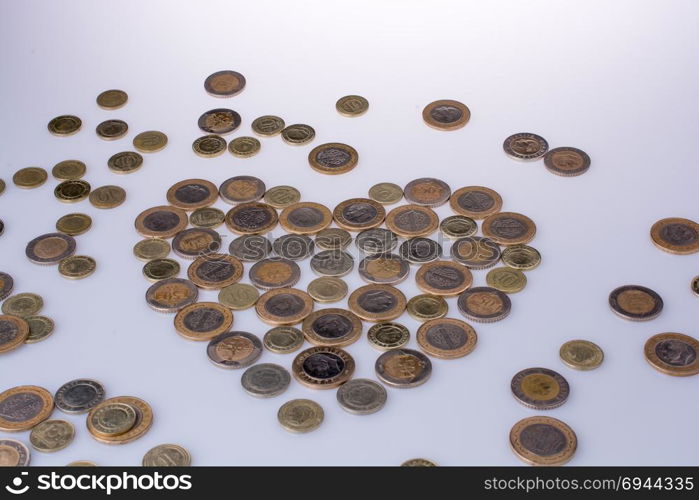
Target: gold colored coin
[446, 338]
[676, 235]
[506, 279]
[74, 224]
[125, 162]
[72, 191]
[29, 177]
[282, 196]
[543, 441]
[77, 267]
[446, 114]
[410, 221]
[352, 105]
[191, 194]
[333, 158]
[161, 269]
[112, 419]
[418, 462]
[377, 302]
[332, 327]
[207, 217]
[150, 141]
[23, 305]
[151, 248]
[2, 186]
[15, 331]
[673, 354]
[386, 193]
[209, 146]
[69, 170]
[24, 407]
[112, 99]
[388, 335]
[458, 226]
[107, 197]
[443, 277]
[305, 218]
[82, 463]
[163, 221]
[476, 202]
[426, 307]
[40, 328]
[244, 147]
[284, 306]
[300, 415]
[358, 214]
[283, 339]
[695, 286]
[202, 321]
[65, 125]
[327, 289]
[110, 130]
[581, 354]
[167, 455]
[52, 435]
[333, 238]
[509, 228]
[298, 134]
[239, 296]
[215, 271]
[144, 420]
[522, 257]
[268, 125]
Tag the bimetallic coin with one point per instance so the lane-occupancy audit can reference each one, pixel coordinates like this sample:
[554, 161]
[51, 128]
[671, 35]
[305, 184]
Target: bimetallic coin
[635, 302]
[293, 246]
[274, 272]
[332, 327]
[251, 218]
[171, 295]
[23, 407]
[219, 121]
[418, 462]
[673, 354]
[361, 396]
[476, 252]
[581, 354]
[484, 304]
[112, 99]
[250, 248]
[322, 367]
[427, 192]
[40, 328]
[77, 267]
[443, 278]
[298, 134]
[29, 177]
[446, 114]
[284, 306]
[403, 368]
[79, 396]
[150, 141]
[420, 250]
[209, 217]
[191, 194]
[69, 170]
[334, 263]
[226, 83]
[282, 196]
[265, 380]
[6, 285]
[23, 305]
[267, 125]
[426, 307]
[358, 214]
[167, 455]
[377, 302]
[352, 105]
[676, 235]
[107, 196]
[215, 271]
[412, 220]
[540, 388]
[72, 191]
[522, 257]
[305, 218]
[65, 125]
[244, 147]
[694, 287]
[458, 226]
[209, 146]
[327, 289]
[203, 320]
[161, 269]
[525, 146]
[14, 332]
[333, 238]
[476, 202]
[509, 228]
[300, 415]
[14, 453]
[151, 248]
[196, 242]
[239, 296]
[234, 350]
[543, 441]
[386, 193]
[506, 279]
[384, 268]
[333, 158]
[110, 130]
[283, 339]
[388, 335]
[74, 224]
[242, 189]
[52, 435]
[50, 248]
[144, 420]
[446, 338]
[377, 240]
[567, 161]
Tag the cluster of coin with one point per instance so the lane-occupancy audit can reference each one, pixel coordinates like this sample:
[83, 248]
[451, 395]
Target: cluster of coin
[564, 161]
[20, 322]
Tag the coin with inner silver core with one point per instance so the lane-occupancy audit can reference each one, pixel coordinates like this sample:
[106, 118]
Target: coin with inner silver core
[68, 170]
[332, 327]
[540, 388]
[112, 99]
[50, 248]
[443, 277]
[203, 320]
[195, 242]
[267, 125]
[209, 217]
[446, 338]
[386, 193]
[305, 218]
[388, 335]
[14, 332]
[567, 161]
[293, 246]
[251, 218]
[52, 435]
[244, 147]
[635, 302]
[298, 134]
[352, 105]
[14, 453]
[234, 350]
[412, 220]
[23, 407]
[167, 455]
[161, 222]
[420, 250]
[284, 306]
[171, 295]
[358, 214]
[282, 196]
[106, 197]
[191, 194]
[581, 354]
[250, 247]
[427, 192]
[219, 121]
[283, 339]
[333, 238]
[110, 130]
[673, 354]
[476, 202]
[446, 114]
[242, 189]
[300, 415]
[543, 441]
[225, 83]
[377, 302]
[426, 307]
[458, 226]
[65, 125]
[509, 228]
[386, 268]
[151, 248]
[522, 257]
[215, 271]
[6, 285]
[377, 240]
[265, 380]
[525, 146]
[40, 328]
[239, 296]
[327, 289]
[361, 396]
[676, 235]
[322, 367]
[332, 263]
[333, 158]
[150, 141]
[79, 396]
[274, 272]
[484, 304]
[209, 146]
[72, 191]
[403, 368]
[23, 305]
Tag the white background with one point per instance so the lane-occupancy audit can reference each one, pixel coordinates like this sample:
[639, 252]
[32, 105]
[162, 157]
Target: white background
[617, 80]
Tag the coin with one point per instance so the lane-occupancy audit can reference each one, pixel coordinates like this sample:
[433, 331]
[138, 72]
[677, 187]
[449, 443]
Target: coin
[150, 141]
[107, 196]
[352, 105]
[242, 189]
[265, 380]
[77, 267]
[333, 238]
[458, 226]
[74, 224]
[327, 289]
[68, 170]
[322, 367]
[209, 146]
[484, 304]
[161, 269]
[300, 415]
[40, 328]
[251, 218]
[224, 83]
[284, 306]
[427, 192]
[2, 227]
[13, 332]
[209, 217]
[475, 252]
[52, 435]
[333, 158]
[65, 125]
[361, 396]
[82, 463]
[112, 419]
[673, 354]
[50, 248]
[446, 338]
[110, 130]
[540, 388]
[635, 302]
[420, 250]
[250, 247]
[522, 257]
[358, 214]
[144, 420]
[79, 396]
[6, 285]
[2, 186]
[509, 228]
[13, 453]
[412, 220]
[283, 339]
[581, 354]
[267, 125]
[234, 350]
[443, 278]
[219, 121]
[72, 191]
[191, 194]
[386, 193]
[167, 455]
[239, 296]
[332, 263]
[293, 246]
[151, 248]
[446, 114]
[23, 305]
[282, 196]
[377, 240]
[305, 218]
[426, 307]
[418, 462]
[23, 407]
[567, 161]
[125, 162]
[332, 327]
[506, 279]
[694, 286]
[476, 202]
[244, 147]
[384, 268]
[543, 441]
[29, 177]
[203, 320]
[215, 271]
[676, 235]
[403, 368]
[274, 272]
[171, 295]
[195, 242]
[112, 99]
[377, 302]
[298, 134]
[525, 146]
[388, 335]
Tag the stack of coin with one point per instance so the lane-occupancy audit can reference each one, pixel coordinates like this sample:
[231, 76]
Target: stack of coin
[119, 420]
[20, 322]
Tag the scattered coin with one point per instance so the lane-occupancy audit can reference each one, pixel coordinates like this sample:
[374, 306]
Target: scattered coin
[267, 125]
[506, 279]
[525, 146]
[293, 246]
[694, 286]
[377, 302]
[567, 162]
[69, 170]
[224, 83]
[171, 295]
[543, 441]
[458, 226]
[208, 217]
[65, 125]
[112, 419]
[110, 130]
[361, 396]
[29, 177]
[333, 238]
[305, 218]
[418, 462]
[540, 388]
[352, 105]
[107, 196]
[52, 435]
[6, 285]
[144, 420]
[265, 380]
[388, 335]
[298, 134]
[446, 338]
[234, 350]
[446, 114]
[13, 453]
[250, 248]
[443, 277]
[150, 141]
[384, 268]
[420, 250]
[215, 271]
[79, 396]
[476, 202]
[72, 191]
[676, 235]
[74, 224]
[322, 367]
[334, 263]
[251, 218]
[203, 320]
[327, 289]
[386, 193]
[50, 248]
[242, 189]
[581, 354]
[300, 415]
[377, 240]
[167, 455]
[13, 332]
[283, 339]
[209, 146]
[282, 196]
[403, 368]
[358, 214]
[333, 158]
[195, 242]
[476, 252]
[274, 272]
[23, 305]
[112, 99]
[412, 220]
[522, 257]
[77, 267]
[161, 269]
[244, 147]
[239, 296]
[426, 307]
[219, 121]
[2, 186]
[82, 463]
[673, 354]
[484, 304]
[332, 327]
[151, 248]
[635, 302]
[284, 306]
[427, 192]
[125, 162]
[23, 407]
[40, 328]
[191, 194]
[509, 228]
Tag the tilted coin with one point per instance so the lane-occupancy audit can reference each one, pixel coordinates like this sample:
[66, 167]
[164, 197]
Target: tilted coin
[694, 286]
[2, 186]
[50, 248]
[274, 272]
[77, 267]
[420, 250]
[112, 419]
[195, 242]
[386, 193]
[635, 302]
[234, 350]
[403, 368]
[427, 192]
[29, 177]
[284, 306]
[282, 196]
[305, 218]
[377, 302]
[540, 388]
[239, 296]
[506, 279]
[167, 455]
[388, 335]
[300, 415]
[14, 332]
[567, 161]
[191, 194]
[458, 226]
[522, 257]
[225, 83]
[475, 252]
[151, 248]
[110, 130]
[446, 114]
[203, 320]
[171, 295]
[443, 277]
[251, 218]
[112, 99]
[412, 220]
[298, 134]
[333, 238]
[265, 380]
[23, 407]
[327, 289]
[361, 396]
[74, 224]
[82, 463]
[673, 354]
[242, 189]
[219, 121]
[676, 235]
[72, 191]
[209, 146]
[6, 285]
[293, 246]
[215, 271]
[332, 263]
[543, 441]
[267, 125]
[2, 227]
[322, 367]
[23, 305]
[446, 338]
[384, 268]
[244, 147]
[358, 214]
[476, 202]
[581, 354]
[65, 125]
[161, 269]
[352, 105]
[209, 217]
[333, 158]
[332, 327]
[79, 396]
[68, 170]
[525, 146]
[250, 247]
[377, 240]
[40, 328]
[484, 304]
[283, 339]
[52, 435]
[14, 453]
[418, 462]
[509, 228]
[150, 141]
[144, 420]
[427, 306]
[107, 196]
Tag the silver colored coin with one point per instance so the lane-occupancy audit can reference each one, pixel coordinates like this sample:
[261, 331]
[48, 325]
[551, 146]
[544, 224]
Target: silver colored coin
[24, 455]
[265, 380]
[475, 252]
[386, 269]
[525, 146]
[234, 350]
[427, 191]
[332, 263]
[458, 226]
[242, 189]
[79, 396]
[333, 238]
[50, 248]
[403, 368]
[6, 285]
[540, 388]
[377, 240]
[166, 295]
[274, 272]
[361, 396]
[420, 250]
[293, 246]
[250, 248]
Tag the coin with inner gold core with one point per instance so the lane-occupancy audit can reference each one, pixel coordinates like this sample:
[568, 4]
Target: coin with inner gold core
[540, 388]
